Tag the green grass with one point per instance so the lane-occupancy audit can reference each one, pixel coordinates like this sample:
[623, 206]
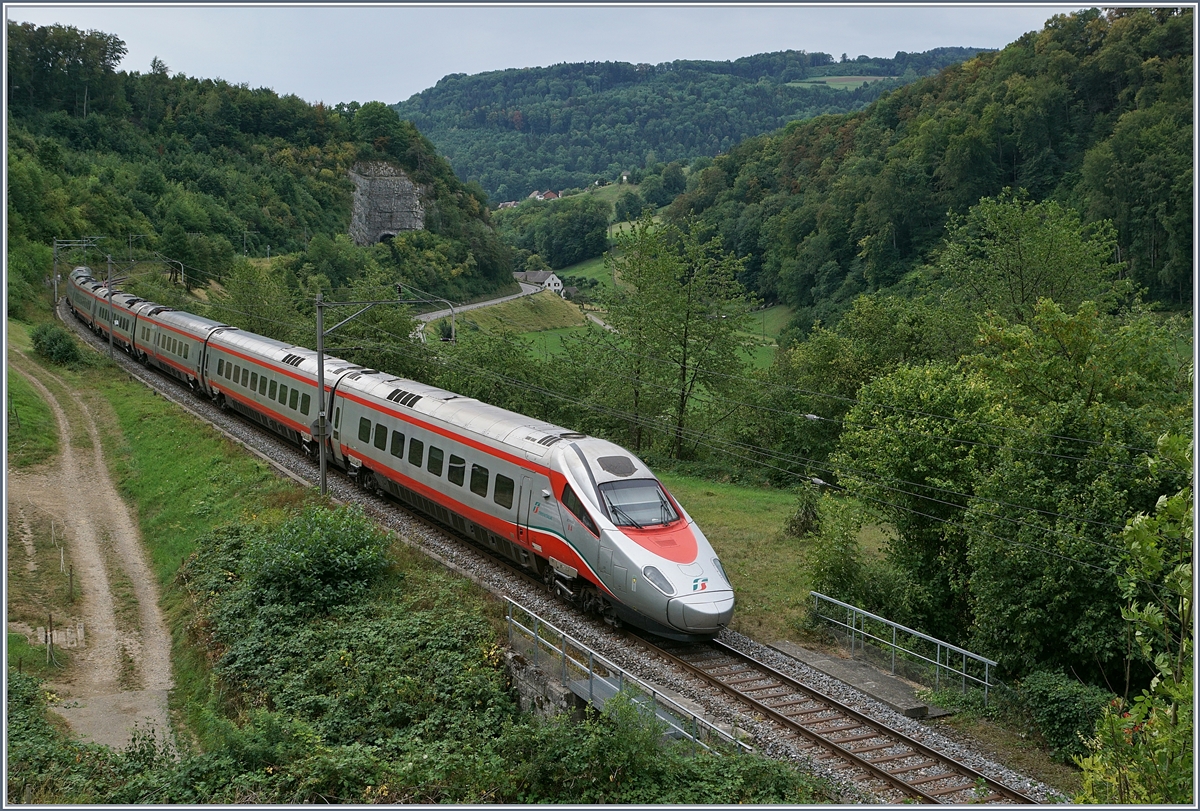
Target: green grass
[839, 82]
[541, 311]
[549, 342]
[761, 330]
[31, 659]
[589, 269]
[32, 429]
[745, 526]
[181, 495]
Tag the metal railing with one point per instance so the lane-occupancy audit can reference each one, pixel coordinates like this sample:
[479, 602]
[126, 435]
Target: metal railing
[596, 679]
[860, 626]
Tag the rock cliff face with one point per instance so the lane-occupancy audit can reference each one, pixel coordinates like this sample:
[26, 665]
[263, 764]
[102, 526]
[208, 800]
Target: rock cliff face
[386, 202]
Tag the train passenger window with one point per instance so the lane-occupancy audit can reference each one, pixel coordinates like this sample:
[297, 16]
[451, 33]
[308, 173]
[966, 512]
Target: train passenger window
[435, 461]
[283, 394]
[253, 380]
[273, 389]
[572, 503]
[397, 444]
[262, 381]
[416, 451]
[295, 396]
[237, 372]
[381, 433]
[220, 367]
[503, 494]
[304, 403]
[479, 480]
[457, 471]
[364, 429]
[337, 417]
[245, 376]
[185, 351]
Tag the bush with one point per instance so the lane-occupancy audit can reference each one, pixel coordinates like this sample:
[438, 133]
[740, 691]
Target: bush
[1064, 710]
[319, 559]
[807, 516]
[837, 556]
[55, 344]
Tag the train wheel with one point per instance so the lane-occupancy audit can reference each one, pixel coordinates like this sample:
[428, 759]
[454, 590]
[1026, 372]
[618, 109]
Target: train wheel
[366, 480]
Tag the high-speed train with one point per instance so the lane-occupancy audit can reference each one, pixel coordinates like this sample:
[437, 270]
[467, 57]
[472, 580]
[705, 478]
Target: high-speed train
[585, 515]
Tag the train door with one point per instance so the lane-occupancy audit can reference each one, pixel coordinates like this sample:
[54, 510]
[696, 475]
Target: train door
[524, 502]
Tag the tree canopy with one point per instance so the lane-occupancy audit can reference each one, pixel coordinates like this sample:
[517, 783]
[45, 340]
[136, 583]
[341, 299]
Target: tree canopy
[1093, 113]
[520, 130]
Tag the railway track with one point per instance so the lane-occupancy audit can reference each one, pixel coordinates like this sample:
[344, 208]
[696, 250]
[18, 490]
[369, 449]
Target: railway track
[907, 766]
[878, 762]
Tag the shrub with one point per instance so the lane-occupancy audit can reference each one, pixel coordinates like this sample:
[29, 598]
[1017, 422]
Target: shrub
[837, 556]
[807, 516]
[319, 559]
[1064, 710]
[55, 344]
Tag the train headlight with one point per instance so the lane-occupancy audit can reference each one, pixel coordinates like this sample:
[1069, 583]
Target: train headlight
[656, 577]
[721, 569]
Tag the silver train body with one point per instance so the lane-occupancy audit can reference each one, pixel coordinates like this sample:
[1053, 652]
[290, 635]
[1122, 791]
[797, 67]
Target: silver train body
[583, 514]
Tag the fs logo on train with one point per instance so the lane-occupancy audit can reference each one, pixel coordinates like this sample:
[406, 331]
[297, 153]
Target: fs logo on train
[699, 583]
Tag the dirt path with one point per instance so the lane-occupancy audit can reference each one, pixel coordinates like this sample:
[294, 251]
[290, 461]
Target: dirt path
[119, 678]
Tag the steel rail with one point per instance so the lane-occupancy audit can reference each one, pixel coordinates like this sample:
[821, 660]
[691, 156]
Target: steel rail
[868, 728]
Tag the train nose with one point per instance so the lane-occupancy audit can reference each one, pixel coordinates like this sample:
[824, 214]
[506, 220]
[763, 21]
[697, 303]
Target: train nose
[705, 612]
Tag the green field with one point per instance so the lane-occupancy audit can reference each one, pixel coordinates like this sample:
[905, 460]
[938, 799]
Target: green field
[839, 82]
[32, 430]
[761, 332]
[548, 342]
[541, 311]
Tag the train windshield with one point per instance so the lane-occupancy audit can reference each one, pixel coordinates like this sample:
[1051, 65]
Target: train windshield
[637, 503]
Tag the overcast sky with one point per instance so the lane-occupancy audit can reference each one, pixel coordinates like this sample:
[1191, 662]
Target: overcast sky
[334, 53]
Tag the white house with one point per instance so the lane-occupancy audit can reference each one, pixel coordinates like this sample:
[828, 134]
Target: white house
[543, 278]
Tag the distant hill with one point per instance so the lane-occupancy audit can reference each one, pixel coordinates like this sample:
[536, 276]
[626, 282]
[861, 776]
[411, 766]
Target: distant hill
[565, 126]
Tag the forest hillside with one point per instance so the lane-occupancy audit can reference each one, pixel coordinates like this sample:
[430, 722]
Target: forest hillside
[1094, 111]
[204, 172]
[565, 126]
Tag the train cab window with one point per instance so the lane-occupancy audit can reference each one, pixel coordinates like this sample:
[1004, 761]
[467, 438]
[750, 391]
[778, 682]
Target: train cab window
[304, 404]
[457, 471]
[364, 429]
[572, 503]
[435, 461]
[637, 503]
[283, 391]
[273, 389]
[262, 382]
[253, 380]
[397, 444]
[293, 398]
[416, 451]
[220, 367]
[381, 433]
[245, 376]
[479, 480]
[503, 494]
